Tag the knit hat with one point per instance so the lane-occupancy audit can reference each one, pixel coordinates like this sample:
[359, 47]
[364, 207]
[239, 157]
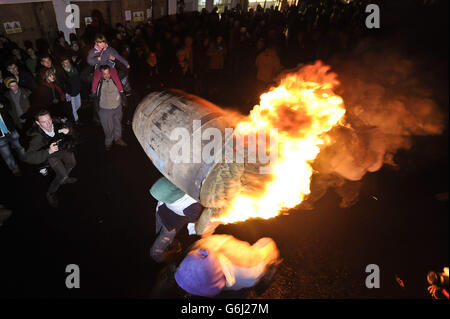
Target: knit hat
[9, 80]
[200, 274]
[166, 192]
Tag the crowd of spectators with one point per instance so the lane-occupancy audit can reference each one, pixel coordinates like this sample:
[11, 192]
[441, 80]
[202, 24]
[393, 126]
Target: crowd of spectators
[105, 68]
[209, 54]
[199, 52]
[205, 53]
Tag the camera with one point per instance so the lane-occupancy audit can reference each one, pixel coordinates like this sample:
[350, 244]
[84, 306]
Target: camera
[64, 142]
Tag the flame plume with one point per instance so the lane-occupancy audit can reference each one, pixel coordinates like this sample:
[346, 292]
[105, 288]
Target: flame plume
[303, 107]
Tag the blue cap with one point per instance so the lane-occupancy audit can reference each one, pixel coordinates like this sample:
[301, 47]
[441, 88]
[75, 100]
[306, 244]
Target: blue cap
[200, 274]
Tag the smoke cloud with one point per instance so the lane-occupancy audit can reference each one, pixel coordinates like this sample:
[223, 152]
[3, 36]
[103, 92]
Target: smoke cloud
[387, 103]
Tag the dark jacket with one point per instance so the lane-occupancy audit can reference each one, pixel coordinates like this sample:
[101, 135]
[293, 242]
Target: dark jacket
[37, 152]
[77, 60]
[172, 220]
[201, 61]
[151, 79]
[62, 51]
[73, 81]
[26, 80]
[182, 78]
[24, 103]
[49, 96]
[5, 111]
[3, 88]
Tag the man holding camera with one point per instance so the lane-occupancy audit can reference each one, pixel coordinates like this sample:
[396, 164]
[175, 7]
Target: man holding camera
[51, 144]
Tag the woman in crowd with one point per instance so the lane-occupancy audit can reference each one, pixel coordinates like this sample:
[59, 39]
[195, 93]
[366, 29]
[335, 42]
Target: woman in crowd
[52, 97]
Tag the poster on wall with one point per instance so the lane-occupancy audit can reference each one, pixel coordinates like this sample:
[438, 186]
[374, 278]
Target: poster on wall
[138, 16]
[87, 20]
[127, 15]
[12, 27]
[149, 13]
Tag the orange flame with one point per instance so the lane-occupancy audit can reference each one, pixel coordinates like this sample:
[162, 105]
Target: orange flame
[303, 107]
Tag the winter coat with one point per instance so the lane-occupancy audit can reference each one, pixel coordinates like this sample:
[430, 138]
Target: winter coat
[37, 152]
[151, 79]
[183, 211]
[50, 94]
[94, 53]
[26, 80]
[73, 81]
[24, 104]
[5, 111]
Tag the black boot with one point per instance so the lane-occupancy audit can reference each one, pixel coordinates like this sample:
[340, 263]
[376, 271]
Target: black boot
[52, 199]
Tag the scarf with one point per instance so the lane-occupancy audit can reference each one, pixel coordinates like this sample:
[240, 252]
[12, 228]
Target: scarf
[100, 49]
[54, 86]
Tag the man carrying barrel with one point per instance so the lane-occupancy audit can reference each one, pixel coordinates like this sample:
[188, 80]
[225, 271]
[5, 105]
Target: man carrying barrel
[174, 210]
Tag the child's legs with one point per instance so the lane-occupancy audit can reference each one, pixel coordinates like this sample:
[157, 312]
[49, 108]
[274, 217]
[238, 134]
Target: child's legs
[97, 75]
[115, 77]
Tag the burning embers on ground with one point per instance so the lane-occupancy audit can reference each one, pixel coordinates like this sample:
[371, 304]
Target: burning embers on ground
[321, 134]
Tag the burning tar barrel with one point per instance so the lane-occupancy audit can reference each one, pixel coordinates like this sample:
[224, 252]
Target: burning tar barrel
[170, 125]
